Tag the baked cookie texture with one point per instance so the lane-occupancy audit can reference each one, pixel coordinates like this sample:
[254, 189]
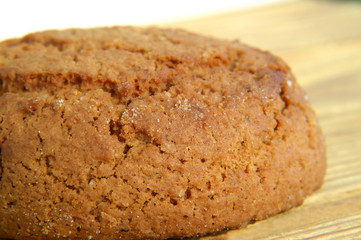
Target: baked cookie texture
[148, 133]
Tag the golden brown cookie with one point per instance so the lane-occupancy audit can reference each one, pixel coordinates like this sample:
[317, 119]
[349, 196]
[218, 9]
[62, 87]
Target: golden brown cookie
[148, 133]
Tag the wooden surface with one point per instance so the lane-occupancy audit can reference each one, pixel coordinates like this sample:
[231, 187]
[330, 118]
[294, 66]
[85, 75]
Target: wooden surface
[321, 41]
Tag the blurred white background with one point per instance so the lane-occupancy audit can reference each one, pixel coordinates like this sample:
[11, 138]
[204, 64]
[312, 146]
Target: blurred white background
[18, 17]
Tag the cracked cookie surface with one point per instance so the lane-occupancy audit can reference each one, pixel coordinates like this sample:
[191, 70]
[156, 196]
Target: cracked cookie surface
[148, 133]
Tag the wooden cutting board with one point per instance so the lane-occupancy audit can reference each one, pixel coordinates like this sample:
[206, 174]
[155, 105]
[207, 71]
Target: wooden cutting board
[321, 41]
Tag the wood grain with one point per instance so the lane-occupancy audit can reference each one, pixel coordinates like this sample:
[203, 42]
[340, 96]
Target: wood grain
[321, 41]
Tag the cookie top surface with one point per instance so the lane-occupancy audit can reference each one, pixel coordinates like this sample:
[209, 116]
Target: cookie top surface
[127, 62]
[148, 133]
